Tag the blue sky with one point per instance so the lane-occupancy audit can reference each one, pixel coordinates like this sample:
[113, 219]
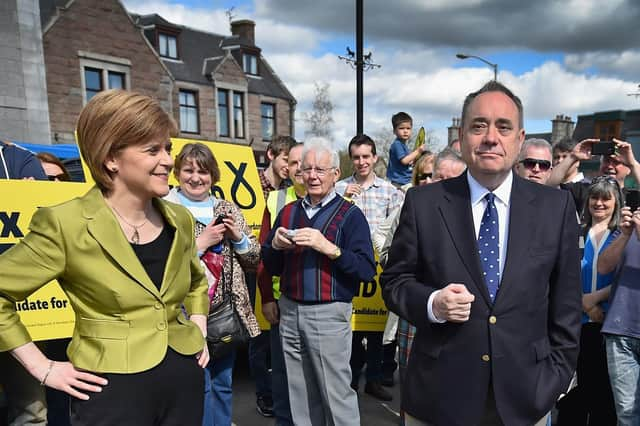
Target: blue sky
[548, 53]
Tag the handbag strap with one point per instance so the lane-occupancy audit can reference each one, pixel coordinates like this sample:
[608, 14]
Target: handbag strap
[227, 288]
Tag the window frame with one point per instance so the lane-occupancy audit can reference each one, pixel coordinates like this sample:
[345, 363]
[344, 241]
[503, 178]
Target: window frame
[106, 64]
[230, 112]
[272, 119]
[195, 107]
[241, 109]
[254, 62]
[168, 35]
[220, 107]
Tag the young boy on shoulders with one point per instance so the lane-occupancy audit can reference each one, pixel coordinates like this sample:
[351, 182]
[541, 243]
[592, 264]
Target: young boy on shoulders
[400, 157]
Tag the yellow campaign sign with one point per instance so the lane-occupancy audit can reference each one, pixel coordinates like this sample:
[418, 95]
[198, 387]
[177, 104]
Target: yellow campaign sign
[239, 181]
[47, 313]
[369, 310]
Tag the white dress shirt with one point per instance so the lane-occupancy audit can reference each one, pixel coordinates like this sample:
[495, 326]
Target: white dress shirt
[478, 203]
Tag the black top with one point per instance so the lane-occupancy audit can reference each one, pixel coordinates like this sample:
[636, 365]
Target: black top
[154, 255]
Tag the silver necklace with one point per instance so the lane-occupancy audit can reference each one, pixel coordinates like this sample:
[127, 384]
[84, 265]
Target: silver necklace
[135, 237]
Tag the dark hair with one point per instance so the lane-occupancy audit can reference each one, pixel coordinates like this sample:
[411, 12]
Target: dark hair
[202, 156]
[47, 157]
[281, 144]
[401, 117]
[493, 86]
[362, 140]
[603, 187]
[565, 145]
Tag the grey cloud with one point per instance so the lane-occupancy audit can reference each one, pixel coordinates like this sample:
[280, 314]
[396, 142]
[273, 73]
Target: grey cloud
[623, 65]
[544, 25]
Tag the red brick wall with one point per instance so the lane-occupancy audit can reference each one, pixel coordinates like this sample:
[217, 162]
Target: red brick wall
[101, 27]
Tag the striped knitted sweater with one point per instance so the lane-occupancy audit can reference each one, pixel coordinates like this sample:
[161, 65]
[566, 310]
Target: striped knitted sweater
[309, 276]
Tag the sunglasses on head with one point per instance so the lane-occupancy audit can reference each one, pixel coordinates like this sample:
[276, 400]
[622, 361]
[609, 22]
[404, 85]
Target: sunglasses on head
[606, 179]
[530, 163]
[424, 176]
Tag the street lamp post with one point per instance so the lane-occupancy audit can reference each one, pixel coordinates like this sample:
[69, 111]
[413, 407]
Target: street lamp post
[491, 64]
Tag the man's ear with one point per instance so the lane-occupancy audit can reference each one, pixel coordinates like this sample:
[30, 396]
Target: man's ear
[270, 155]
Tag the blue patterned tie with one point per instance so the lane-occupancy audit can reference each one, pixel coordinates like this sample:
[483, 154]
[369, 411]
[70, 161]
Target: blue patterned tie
[488, 247]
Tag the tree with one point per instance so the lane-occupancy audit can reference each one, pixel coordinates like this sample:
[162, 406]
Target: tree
[320, 119]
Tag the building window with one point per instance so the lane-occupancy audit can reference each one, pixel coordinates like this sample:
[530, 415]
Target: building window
[116, 80]
[168, 46]
[223, 112]
[96, 80]
[231, 113]
[267, 114]
[238, 115]
[92, 82]
[188, 111]
[250, 64]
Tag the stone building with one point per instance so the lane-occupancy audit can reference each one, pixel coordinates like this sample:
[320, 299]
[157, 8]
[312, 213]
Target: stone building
[57, 54]
[224, 88]
[24, 113]
[90, 46]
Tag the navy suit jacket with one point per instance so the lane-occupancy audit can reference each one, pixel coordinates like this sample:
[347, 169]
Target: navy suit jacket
[525, 345]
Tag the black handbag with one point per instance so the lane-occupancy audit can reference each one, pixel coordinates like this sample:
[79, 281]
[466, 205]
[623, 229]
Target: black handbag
[225, 330]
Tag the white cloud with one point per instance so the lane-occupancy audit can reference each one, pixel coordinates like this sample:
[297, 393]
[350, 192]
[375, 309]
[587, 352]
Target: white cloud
[416, 76]
[271, 36]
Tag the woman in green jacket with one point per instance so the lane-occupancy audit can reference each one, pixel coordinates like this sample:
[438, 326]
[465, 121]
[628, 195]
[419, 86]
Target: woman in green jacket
[127, 261]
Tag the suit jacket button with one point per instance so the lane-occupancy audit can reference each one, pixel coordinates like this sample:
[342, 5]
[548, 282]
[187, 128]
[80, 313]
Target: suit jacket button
[485, 358]
[158, 305]
[492, 319]
[162, 326]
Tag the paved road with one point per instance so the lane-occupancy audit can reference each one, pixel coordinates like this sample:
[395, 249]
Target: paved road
[372, 411]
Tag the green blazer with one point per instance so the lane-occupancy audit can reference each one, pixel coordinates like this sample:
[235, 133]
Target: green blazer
[123, 323]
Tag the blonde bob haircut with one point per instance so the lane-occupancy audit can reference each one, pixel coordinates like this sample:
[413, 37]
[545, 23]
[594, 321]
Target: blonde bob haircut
[114, 120]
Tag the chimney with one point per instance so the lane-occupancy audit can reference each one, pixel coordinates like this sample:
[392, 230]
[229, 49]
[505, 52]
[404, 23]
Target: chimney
[453, 130]
[561, 127]
[245, 29]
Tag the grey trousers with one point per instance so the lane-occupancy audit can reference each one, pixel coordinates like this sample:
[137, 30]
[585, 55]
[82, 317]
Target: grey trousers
[316, 341]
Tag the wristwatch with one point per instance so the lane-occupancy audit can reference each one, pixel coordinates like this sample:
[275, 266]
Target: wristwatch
[336, 254]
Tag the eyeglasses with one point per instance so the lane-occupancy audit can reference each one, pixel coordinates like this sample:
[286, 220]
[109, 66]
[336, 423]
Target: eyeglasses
[606, 179]
[55, 177]
[425, 176]
[319, 172]
[530, 163]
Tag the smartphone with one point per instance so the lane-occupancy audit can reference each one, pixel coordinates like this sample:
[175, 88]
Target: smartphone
[219, 219]
[632, 199]
[603, 148]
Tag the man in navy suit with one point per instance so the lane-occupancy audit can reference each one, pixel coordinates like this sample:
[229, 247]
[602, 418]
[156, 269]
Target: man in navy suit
[486, 266]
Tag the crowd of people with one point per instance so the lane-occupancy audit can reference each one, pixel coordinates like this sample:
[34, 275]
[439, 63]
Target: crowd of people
[509, 276]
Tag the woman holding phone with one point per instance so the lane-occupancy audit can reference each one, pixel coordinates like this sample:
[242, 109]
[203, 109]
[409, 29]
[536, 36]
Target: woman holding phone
[127, 261]
[600, 224]
[228, 249]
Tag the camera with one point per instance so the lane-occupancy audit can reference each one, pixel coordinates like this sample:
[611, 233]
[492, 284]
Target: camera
[291, 234]
[220, 219]
[632, 199]
[603, 148]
